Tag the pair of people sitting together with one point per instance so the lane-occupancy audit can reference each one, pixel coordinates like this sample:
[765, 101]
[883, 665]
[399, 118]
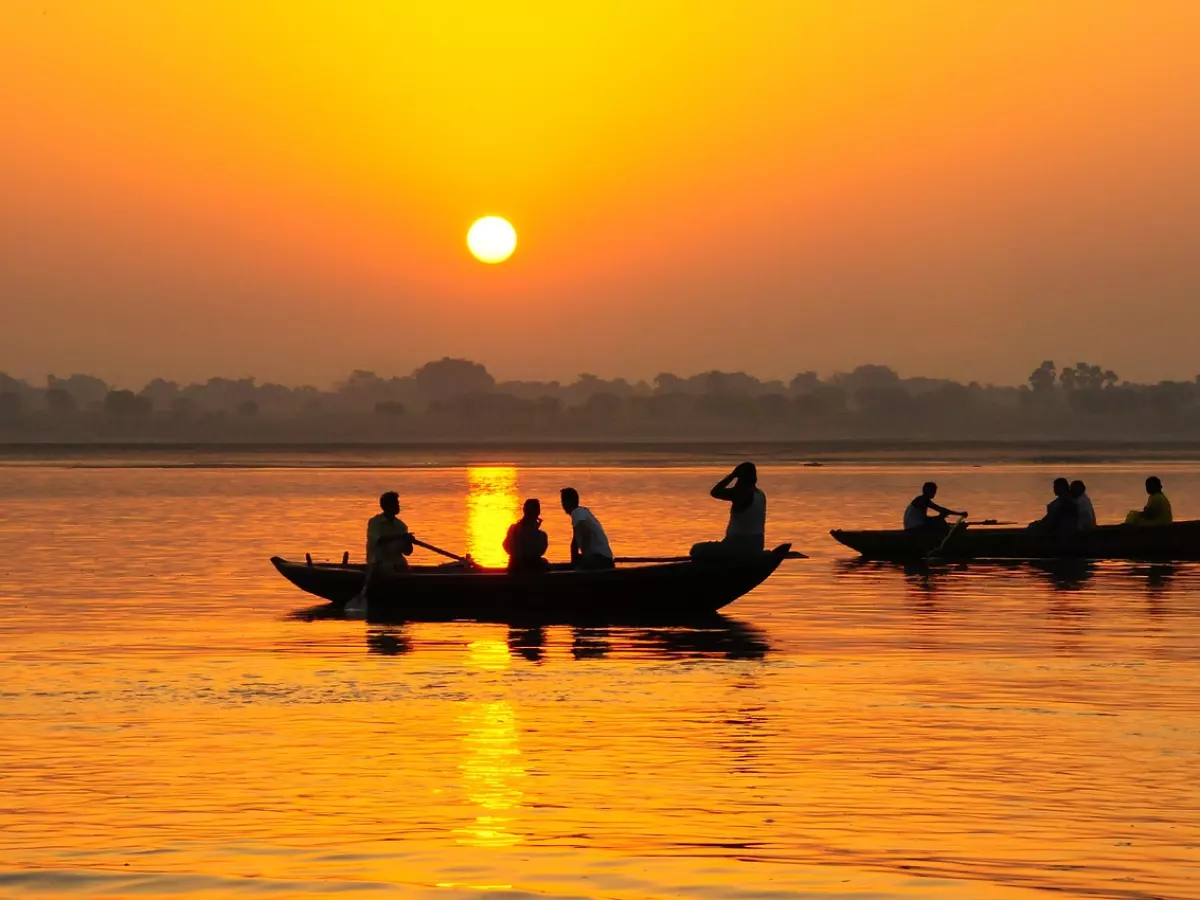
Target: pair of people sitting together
[526, 543]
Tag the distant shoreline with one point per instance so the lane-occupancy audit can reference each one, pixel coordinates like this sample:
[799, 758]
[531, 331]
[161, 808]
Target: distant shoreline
[585, 453]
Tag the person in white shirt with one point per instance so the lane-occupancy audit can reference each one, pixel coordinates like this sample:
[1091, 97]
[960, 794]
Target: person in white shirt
[589, 543]
[1087, 513]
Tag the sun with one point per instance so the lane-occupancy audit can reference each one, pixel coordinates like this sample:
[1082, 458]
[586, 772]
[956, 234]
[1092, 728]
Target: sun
[492, 240]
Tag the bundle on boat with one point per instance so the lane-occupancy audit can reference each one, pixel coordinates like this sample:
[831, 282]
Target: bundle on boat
[669, 591]
[1177, 541]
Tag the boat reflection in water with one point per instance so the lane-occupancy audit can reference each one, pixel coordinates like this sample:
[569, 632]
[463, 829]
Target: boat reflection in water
[720, 638]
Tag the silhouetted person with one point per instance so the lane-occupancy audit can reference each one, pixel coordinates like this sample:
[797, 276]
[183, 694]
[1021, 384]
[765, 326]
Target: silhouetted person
[589, 543]
[1087, 513]
[1157, 510]
[746, 532]
[1062, 515]
[917, 514]
[525, 542]
[388, 543]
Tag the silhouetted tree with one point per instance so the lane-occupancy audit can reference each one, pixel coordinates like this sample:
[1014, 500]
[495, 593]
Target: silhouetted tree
[10, 406]
[248, 408]
[60, 402]
[123, 404]
[86, 389]
[389, 408]
[448, 378]
[1043, 377]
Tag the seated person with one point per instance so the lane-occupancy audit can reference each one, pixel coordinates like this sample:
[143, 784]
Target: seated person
[746, 531]
[589, 543]
[525, 542]
[1062, 513]
[388, 543]
[1157, 510]
[1087, 513]
[916, 514]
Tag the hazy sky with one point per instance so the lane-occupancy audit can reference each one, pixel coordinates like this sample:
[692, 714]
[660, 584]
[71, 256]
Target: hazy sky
[283, 189]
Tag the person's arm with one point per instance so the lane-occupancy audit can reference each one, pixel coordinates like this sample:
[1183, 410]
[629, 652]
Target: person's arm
[722, 491]
[576, 550]
[508, 536]
[543, 542]
[942, 511]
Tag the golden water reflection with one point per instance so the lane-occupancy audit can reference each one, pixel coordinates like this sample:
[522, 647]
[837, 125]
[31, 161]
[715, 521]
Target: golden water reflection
[492, 505]
[492, 765]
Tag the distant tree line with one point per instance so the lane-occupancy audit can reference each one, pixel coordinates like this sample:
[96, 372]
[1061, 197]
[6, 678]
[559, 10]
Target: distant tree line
[456, 399]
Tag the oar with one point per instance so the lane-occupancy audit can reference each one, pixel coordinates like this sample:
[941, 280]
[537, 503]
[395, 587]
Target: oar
[793, 554]
[446, 553]
[949, 534]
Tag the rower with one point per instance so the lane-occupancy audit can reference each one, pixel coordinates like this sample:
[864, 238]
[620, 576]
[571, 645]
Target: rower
[917, 517]
[388, 539]
[525, 542]
[1157, 510]
[589, 543]
[1087, 512]
[388, 543]
[746, 532]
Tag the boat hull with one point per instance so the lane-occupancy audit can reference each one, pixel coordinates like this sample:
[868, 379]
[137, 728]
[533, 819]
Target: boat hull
[1178, 541]
[665, 593]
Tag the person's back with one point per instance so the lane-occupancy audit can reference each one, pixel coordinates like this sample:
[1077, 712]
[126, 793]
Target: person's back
[525, 541]
[1085, 512]
[747, 528]
[1062, 514]
[589, 544]
[916, 514]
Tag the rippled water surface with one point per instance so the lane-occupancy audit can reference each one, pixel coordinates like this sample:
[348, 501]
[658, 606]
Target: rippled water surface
[178, 721]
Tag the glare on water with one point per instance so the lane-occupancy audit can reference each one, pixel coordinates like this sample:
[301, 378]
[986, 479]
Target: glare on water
[179, 721]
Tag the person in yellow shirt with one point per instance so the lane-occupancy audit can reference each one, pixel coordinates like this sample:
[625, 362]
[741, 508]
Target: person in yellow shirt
[1157, 510]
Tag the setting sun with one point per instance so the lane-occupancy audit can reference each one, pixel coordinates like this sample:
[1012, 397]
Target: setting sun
[491, 239]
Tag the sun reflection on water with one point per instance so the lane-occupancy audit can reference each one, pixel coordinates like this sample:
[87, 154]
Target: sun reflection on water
[492, 505]
[491, 767]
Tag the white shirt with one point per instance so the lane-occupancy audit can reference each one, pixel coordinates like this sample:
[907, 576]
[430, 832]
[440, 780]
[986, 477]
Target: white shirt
[1087, 513]
[590, 534]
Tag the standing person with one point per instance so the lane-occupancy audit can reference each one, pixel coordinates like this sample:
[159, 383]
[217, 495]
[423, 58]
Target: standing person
[1157, 510]
[746, 531]
[525, 542]
[916, 514]
[1087, 512]
[589, 543]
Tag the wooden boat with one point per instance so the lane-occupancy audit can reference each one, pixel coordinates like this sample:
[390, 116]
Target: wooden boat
[1178, 541]
[662, 593]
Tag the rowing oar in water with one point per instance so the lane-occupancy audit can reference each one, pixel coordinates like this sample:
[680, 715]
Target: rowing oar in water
[792, 554]
[932, 554]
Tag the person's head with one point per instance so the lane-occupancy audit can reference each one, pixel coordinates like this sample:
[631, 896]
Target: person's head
[1078, 489]
[1153, 485]
[389, 502]
[929, 490]
[532, 508]
[1062, 487]
[570, 499]
[747, 473]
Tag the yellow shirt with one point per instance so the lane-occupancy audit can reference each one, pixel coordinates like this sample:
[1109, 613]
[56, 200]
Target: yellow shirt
[1158, 510]
[379, 527]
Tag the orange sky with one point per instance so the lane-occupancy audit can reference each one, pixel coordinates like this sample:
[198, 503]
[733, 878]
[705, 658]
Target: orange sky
[283, 189]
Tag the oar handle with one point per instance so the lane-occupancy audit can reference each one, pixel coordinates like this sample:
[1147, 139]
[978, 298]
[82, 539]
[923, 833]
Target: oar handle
[439, 550]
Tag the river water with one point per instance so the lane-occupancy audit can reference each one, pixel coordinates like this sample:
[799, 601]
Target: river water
[178, 721]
